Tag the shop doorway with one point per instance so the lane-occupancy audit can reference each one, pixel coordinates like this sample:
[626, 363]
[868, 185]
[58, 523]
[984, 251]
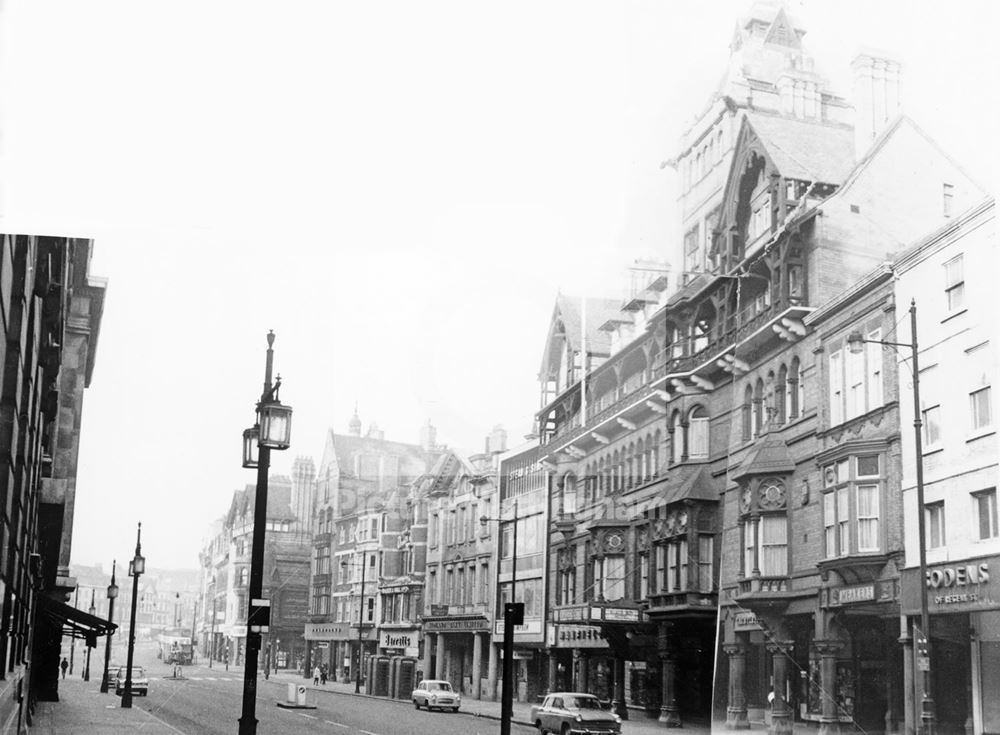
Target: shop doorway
[952, 663]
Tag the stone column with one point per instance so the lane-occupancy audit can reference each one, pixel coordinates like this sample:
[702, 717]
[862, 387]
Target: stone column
[618, 705]
[442, 659]
[491, 672]
[829, 722]
[781, 713]
[429, 643]
[669, 711]
[580, 659]
[477, 664]
[736, 711]
[553, 670]
[909, 701]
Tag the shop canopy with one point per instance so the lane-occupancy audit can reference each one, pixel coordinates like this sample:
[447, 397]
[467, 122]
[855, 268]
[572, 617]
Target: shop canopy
[74, 622]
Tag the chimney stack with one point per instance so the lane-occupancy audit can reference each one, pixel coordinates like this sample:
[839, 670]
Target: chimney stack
[877, 99]
[428, 437]
[496, 442]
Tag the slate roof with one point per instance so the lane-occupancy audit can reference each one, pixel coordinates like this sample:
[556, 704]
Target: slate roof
[599, 312]
[768, 456]
[808, 151]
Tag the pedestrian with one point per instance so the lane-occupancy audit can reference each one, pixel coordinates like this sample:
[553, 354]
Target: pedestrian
[316, 673]
[64, 665]
[322, 674]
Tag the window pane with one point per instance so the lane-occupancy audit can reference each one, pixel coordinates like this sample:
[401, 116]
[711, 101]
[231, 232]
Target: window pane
[986, 507]
[830, 524]
[774, 540]
[868, 466]
[981, 410]
[932, 425]
[843, 521]
[614, 577]
[868, 513]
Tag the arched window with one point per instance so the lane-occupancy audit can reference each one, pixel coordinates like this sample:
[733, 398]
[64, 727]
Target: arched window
[747, 414]
[677, 438]
[569, 494]
[794, 390]
[698, 433]
[600, 479]
[630, 466]
[641, 466]
[758, 407]
[657, 443]
[781, 396]
[616, 469]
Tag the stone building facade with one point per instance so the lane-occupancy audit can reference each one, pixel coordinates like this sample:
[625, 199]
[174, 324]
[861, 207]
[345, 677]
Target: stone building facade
[51, 309]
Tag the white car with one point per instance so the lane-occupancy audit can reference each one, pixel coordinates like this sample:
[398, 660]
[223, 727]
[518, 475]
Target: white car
[140, 684]
[436, 694]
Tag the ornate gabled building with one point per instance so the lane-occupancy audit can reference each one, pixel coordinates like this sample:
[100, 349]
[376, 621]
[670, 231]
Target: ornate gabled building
[362, 486]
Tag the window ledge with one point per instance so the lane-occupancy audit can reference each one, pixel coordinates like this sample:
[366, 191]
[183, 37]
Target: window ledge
[982, 434]
[932, 450]
[954, 314]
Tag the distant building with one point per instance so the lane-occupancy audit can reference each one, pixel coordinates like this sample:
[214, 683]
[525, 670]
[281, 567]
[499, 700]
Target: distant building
[225, 570]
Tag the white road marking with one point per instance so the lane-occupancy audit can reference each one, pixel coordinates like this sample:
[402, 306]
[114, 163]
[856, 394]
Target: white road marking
[368, 732]
[303, 714]
[331, 722]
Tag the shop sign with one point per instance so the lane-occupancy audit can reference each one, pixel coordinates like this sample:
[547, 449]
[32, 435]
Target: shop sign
[580, 636]
[530, 628]
[523, 655]
[956, 587]
[456, 626]
[327, 632]
[572, 613]
[398, 639]
[238, 631]
[617, 614]
[746, 621]
[438, 611]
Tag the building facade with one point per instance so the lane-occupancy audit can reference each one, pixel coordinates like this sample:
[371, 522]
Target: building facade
[949, 275]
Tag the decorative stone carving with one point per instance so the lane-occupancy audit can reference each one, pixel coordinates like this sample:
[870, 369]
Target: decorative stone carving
[772, 494]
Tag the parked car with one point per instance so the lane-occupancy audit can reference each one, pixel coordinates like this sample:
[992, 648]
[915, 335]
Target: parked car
[574, 713]
[140, 684]
[111, 673]
[435, 693]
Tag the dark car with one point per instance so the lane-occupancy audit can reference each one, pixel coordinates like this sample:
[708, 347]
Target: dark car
[574, 713]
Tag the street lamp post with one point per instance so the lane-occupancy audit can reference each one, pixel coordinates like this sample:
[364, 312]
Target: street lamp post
[92, 610]
[112, 594]
[361, 622]
[271, 431]
[211, 640]
[136, 567]
[855, 342]
[513, 614]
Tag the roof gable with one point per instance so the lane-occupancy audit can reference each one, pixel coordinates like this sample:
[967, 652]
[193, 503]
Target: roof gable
[567, 323]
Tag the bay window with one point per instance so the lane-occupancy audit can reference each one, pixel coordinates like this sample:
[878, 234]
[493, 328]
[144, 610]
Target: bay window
[852, 491]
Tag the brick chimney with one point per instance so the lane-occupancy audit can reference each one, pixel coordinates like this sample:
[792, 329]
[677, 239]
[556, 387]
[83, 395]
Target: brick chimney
[877, 99]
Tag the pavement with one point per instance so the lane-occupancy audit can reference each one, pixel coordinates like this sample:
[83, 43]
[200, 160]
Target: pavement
[83, 710]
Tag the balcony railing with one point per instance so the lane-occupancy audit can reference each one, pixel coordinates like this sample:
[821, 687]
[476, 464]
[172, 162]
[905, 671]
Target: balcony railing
[764, 585]
[571, 429]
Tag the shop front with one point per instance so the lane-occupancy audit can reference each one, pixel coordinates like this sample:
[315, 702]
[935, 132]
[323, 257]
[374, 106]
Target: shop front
[455, 648]
[332, 645]
[528, 656]
[963, 602]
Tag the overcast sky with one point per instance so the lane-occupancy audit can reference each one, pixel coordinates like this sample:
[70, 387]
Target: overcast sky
[398, 189]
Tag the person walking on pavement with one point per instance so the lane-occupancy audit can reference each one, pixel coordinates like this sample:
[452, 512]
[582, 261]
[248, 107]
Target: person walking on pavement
[322, 674]
[316, 673]
[64, 665]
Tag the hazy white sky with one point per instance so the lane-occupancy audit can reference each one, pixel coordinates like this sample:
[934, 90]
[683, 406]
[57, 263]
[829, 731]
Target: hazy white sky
[398, 189]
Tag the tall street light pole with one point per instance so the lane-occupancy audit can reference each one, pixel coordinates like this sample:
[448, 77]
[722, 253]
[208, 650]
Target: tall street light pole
[855, 343]
[136, 567]
[361, 624]
[92, 610]
[513, 614]
[112, 594]
[211, 640]
[272, 431]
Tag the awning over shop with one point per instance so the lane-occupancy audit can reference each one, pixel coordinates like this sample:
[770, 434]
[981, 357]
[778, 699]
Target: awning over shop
[74, 622]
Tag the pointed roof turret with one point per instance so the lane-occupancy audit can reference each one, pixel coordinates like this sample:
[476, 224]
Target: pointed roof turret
[354, 426]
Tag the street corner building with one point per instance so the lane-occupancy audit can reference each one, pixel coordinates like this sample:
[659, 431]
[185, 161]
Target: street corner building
[50, 309]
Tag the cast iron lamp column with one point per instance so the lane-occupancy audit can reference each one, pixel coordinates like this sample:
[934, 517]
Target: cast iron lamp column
[136, 567]
[112, 594]
[272, 431]
[855, 342]
[92, 610]
[361, 622]
[513, 613]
